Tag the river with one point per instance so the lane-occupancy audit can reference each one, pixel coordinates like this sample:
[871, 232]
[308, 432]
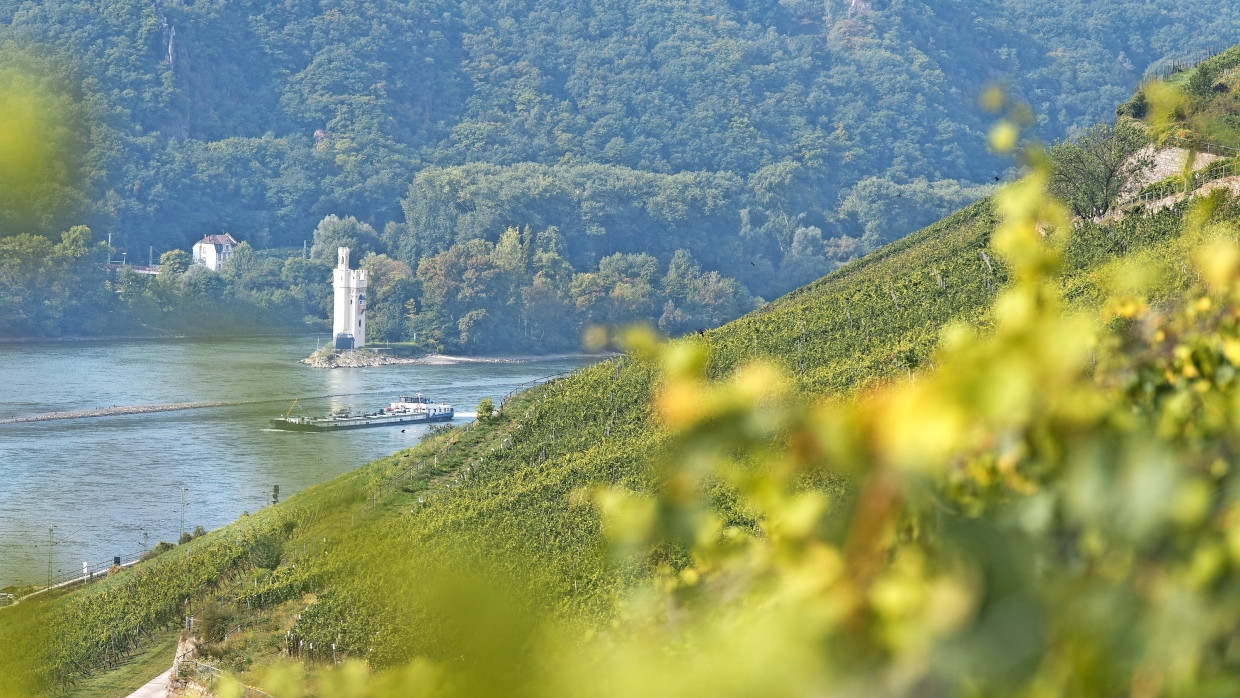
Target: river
[112, 485]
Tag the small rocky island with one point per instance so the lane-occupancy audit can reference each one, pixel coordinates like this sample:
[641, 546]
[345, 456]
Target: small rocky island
[328, 357]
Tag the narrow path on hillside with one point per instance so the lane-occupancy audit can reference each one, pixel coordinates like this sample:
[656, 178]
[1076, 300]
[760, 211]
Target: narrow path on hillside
[155, 688]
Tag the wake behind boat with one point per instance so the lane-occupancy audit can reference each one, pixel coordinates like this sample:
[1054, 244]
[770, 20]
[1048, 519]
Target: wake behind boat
[405, 410]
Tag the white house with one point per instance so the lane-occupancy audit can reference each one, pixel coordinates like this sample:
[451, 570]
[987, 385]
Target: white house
[213, 250]
[349, 315]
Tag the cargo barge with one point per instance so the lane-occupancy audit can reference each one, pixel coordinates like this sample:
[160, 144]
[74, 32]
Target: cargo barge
[405, 410]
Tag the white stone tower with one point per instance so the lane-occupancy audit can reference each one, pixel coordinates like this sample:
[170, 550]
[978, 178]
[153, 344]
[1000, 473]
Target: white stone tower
[349, 318]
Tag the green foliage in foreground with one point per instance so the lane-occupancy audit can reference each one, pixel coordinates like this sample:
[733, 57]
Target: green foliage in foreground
[45, 128]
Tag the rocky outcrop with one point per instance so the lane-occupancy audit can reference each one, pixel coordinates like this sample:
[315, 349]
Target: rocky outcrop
[361, 358]
[354, 358]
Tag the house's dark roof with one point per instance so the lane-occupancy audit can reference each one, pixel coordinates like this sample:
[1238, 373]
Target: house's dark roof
[224, 239]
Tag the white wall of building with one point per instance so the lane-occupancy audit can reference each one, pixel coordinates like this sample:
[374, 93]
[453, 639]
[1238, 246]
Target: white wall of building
[205, 254]
[213, 250]
[349, 308]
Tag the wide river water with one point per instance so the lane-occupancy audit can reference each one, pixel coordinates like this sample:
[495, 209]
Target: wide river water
[110, 485]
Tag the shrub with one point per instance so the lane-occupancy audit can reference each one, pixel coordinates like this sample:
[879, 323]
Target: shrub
[1201, 82]
[1137, 107]
[267, 552]
[160, 548]
[214, 622]
[435, 430]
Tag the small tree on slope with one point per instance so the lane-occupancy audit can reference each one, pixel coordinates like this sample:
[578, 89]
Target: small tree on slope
[1089, 173]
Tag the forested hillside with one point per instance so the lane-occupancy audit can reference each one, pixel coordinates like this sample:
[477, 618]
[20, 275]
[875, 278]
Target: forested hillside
[772, 140]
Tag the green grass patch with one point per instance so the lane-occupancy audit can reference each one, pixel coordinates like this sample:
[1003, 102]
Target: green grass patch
[153, 658]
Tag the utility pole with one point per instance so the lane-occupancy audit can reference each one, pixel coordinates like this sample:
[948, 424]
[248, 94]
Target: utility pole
[50, 545]
[183, 491]
[150, 256]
